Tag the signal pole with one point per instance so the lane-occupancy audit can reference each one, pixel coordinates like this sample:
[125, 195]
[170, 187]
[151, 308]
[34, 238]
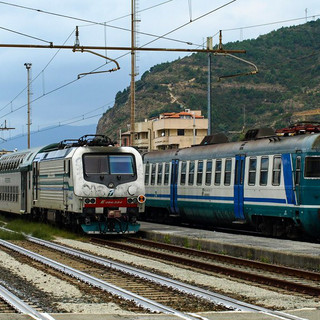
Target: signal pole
[28, 66]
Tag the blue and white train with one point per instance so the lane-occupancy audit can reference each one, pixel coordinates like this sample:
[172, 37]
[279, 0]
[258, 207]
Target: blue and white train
[87, 183]
[270, 183]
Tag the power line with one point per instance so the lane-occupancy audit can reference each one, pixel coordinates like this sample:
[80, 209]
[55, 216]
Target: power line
[41, 72]
[89, 21]
[23, 34]
[270, 23]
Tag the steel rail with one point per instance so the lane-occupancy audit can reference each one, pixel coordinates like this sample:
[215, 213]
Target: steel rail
[225, 258]
[183, 287]
[103, 285]
[21, 306]
[259, 278]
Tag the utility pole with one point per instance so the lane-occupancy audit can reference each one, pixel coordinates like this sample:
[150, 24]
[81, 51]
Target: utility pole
[28, 66]
[209, 47]
[132, 84]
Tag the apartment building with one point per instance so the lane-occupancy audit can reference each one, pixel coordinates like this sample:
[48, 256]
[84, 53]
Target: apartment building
[169, 131]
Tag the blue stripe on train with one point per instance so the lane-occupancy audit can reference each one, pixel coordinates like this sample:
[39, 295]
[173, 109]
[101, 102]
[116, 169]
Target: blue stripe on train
[193, 197]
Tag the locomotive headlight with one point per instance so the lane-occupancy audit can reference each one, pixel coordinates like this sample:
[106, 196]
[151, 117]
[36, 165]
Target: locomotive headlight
[87, 200]
[110, 185]
[129, 200]
[93, 200]
[141, 199]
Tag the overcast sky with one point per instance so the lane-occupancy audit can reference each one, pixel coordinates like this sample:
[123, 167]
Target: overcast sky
[61, 98]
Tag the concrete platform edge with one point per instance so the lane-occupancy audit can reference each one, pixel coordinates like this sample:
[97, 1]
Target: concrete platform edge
[244, 251]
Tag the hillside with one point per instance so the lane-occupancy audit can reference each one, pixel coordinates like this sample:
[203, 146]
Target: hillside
[286, 87]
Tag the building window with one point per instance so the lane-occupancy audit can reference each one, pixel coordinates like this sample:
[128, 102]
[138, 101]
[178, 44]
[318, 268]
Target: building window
[217, 175]
[276, 172]
[227, 172]
[183, 173]
[208, 172]
[252, 171]
[180, 132]
[191, 173]
[166, 173]
[199, 172]
[264, 171]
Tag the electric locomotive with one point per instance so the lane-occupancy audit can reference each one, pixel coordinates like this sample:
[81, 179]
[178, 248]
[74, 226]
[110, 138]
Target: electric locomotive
[87, 183]
[268, 182]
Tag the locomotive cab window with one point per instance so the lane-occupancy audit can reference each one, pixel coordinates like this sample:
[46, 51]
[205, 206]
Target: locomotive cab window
[312, 167]
[120, 164]
[106, 168]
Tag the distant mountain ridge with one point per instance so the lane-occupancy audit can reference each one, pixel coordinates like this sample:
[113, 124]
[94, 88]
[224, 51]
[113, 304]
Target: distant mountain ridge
[287, 84]
[39, 139]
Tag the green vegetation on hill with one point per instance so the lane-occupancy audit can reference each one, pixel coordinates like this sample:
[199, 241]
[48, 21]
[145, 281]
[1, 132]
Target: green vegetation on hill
[288, 82]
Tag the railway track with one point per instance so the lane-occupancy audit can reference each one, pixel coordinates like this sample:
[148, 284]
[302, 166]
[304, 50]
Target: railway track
[141, 301]
[169, 296]
[211, 296]
[9, 303]
[289, 279]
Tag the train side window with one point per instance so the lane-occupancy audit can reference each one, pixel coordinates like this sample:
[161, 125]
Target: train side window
[208, 172]
[200, 172]
[312, 167]
[264, 171]
[252, 171]
[166, 173]
[227, 172]
[298, 171]
[153, 173]
[147, 174]
[183, 172]
[217, 174]
[276, 172]
[160, 169]
[191, 173]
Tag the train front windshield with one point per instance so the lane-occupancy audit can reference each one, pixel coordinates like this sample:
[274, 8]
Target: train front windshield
[108, 164]
[103, 168]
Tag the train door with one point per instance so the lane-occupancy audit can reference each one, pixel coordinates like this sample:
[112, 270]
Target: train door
[288, 178]
[35, 174]
[238, 187]
[173, 187]
[24, 184]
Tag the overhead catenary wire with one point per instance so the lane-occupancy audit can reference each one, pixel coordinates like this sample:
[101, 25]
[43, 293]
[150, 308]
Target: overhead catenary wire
[91, 22]
[24, 34]
[70, 82]
[160, 37]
